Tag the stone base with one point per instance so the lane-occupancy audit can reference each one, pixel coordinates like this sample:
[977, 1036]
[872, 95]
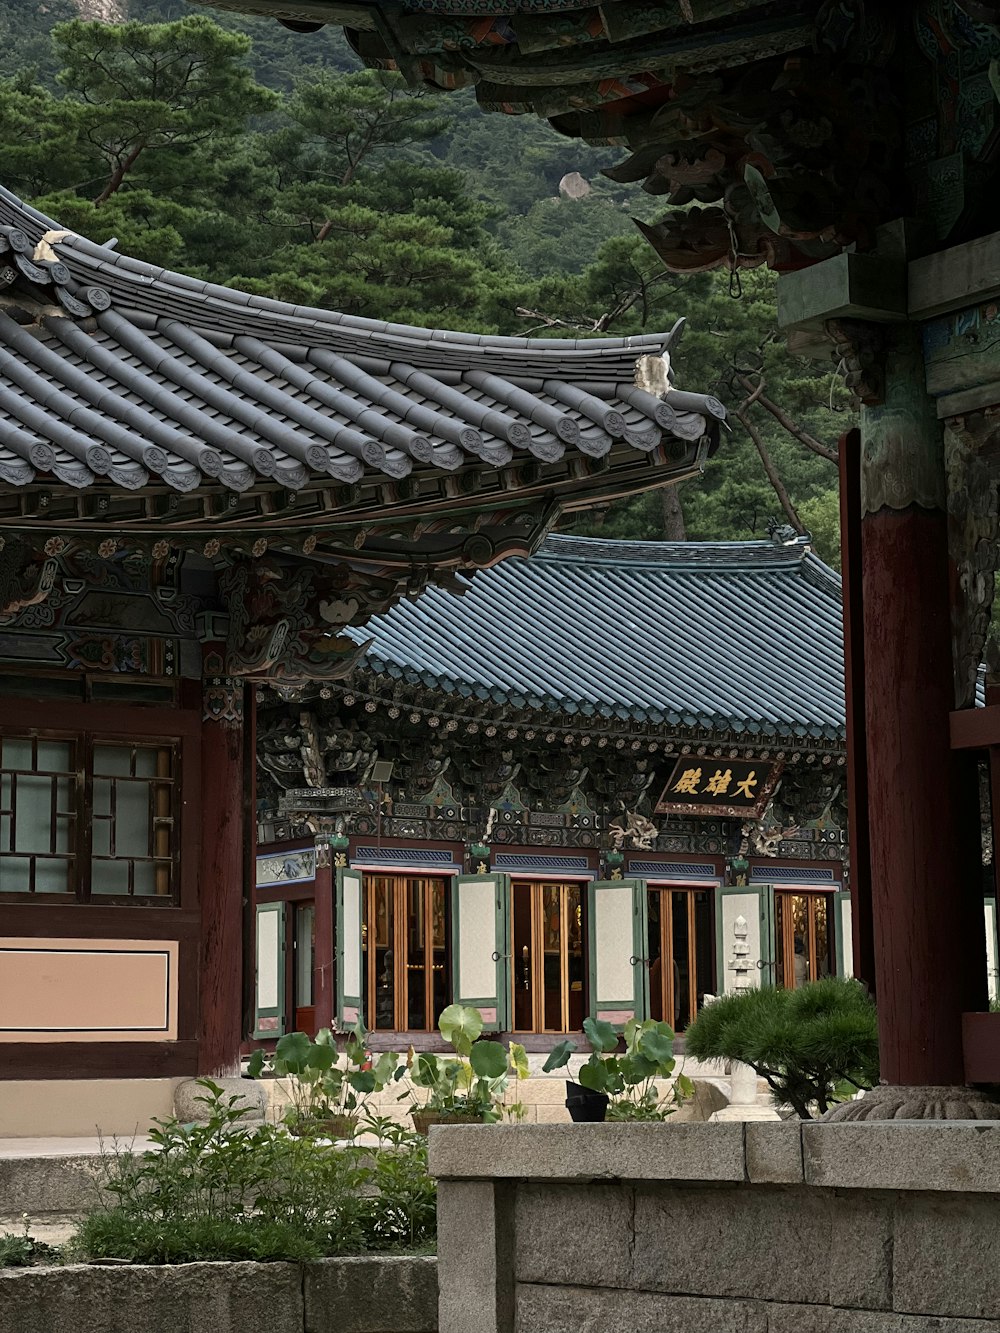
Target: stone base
[792, 1227]
[744, 1113]
[921, 1103]
[189, 1106]
[373, 1294]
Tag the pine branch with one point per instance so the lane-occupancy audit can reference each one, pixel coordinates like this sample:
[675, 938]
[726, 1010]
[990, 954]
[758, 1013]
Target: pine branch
[784, 420]
[777, 484]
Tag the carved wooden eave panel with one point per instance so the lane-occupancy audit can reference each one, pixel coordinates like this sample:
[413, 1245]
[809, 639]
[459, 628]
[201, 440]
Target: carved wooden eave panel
[537, 773]
[972, 463]
[787, 131]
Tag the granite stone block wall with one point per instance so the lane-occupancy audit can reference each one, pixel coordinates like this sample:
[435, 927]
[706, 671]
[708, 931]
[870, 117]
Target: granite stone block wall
[720, 1228]
[372, 1294]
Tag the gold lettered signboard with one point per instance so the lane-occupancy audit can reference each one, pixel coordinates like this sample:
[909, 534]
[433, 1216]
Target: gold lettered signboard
[735, 788]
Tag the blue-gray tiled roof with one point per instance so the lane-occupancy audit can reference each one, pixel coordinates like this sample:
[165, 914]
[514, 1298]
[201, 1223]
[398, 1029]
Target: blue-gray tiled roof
[743, 636]
[125, 371]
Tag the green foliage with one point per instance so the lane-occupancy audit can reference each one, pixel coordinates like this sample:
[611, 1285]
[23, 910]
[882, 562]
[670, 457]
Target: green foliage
[279, 56]
[225, 1189]
[821, 515]
[350, 119]
[25, 37]
[116, 1234]
[474, 1081]
[402, 1206]
[155, 88]
[814, 1045]
[725, 341]
[41, 148]
[629, 1079]
[23, 1250]
[322, 1087]
[461, 1025]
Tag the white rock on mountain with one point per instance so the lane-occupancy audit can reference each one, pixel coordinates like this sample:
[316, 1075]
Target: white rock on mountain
[573, 186]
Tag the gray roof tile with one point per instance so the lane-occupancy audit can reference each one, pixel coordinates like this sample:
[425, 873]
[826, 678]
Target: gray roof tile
[187, 366]
[742, 636]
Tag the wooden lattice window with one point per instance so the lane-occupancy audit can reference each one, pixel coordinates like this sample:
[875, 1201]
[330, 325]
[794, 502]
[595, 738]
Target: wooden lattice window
[132, 819]
[805, 946]
[90, 817]
[39, 814]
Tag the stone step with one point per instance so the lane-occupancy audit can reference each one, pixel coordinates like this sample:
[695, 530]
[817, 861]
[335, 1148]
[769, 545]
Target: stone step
[52, 1229]
[48, 1186]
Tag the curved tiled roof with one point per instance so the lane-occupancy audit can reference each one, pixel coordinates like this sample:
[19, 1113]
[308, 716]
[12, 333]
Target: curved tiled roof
[745, 636]
[115, 369]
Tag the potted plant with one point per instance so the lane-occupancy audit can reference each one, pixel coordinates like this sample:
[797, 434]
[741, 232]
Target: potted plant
[327, 1097]
[469, 1086]
[622, 1085]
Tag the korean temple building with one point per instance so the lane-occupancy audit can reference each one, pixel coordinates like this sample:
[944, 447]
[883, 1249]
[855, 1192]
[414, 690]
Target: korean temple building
[203, 493]
[850, 146]
[607, 779]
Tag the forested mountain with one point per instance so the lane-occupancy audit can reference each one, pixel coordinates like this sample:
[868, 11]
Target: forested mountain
[236, 150]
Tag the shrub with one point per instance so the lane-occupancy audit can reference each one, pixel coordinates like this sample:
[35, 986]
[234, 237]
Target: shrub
[815, 1046]
[225, 1189]
[23, 1251]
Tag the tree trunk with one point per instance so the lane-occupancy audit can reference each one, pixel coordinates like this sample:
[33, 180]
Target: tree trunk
[674, 529]
[117, 177]
[772, 472]
[783, 419]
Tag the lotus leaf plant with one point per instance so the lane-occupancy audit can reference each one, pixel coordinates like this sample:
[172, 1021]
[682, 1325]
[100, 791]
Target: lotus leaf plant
[323, 1088]
[473, 1081]
[633, 1079]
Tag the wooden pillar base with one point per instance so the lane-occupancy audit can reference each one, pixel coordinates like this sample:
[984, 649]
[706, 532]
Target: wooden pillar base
[919, 1103]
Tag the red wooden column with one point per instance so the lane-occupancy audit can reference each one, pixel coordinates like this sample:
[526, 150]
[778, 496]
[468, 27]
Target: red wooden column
[922, 796]
[324, 956]
[222, 877]
[862, 925]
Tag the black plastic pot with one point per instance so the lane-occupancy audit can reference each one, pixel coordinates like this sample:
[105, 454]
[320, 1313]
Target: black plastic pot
[584, 1105]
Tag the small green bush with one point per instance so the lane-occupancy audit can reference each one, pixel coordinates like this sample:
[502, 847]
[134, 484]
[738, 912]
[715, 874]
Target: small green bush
[225, 1189]
[116, 1234]
[815, 1046]
[24, 1251]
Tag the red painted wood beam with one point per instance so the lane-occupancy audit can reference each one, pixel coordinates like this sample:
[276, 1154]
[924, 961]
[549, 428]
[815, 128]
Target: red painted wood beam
[248, 995]
[222, 875]
[981, 1047]
[975, 728]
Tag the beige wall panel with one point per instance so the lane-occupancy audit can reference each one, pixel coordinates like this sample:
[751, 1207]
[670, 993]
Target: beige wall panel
[88, 990]
[477, 937]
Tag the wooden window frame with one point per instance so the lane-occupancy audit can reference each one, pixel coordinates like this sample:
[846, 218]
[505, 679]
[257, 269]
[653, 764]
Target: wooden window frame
[399, 885]
[138, 726]
[785, 936]
[668, 993]
[536, 887]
